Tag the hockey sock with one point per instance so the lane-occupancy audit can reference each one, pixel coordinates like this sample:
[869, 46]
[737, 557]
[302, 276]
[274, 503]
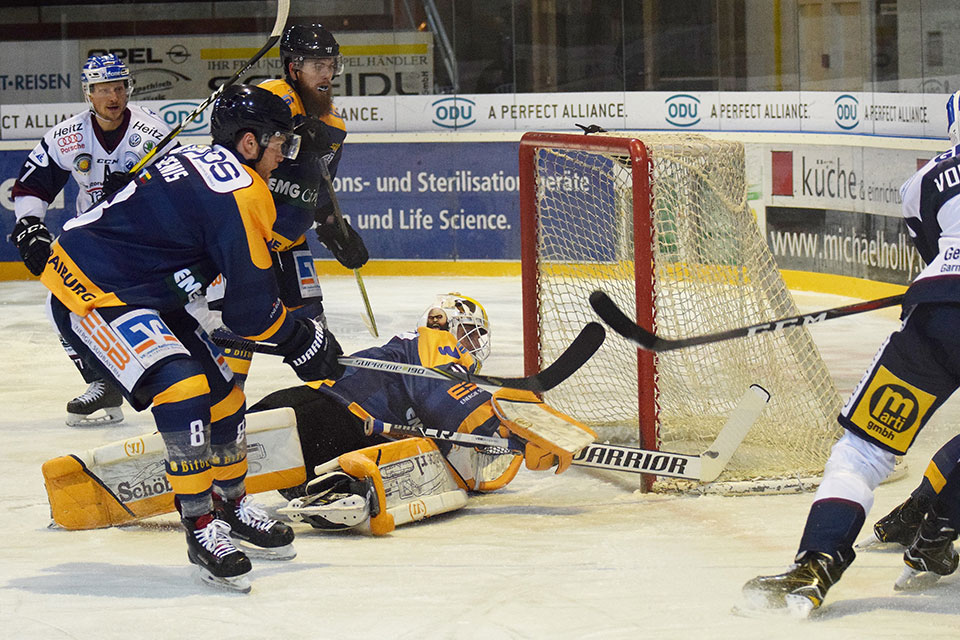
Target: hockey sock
[832, 525]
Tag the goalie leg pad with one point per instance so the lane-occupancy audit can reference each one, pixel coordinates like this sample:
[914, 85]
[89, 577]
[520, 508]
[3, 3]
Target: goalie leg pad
[552, 437]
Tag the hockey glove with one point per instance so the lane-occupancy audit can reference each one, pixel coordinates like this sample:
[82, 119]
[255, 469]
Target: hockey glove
[350, 250]
[33, 240]
[312, 352]
[115, 181]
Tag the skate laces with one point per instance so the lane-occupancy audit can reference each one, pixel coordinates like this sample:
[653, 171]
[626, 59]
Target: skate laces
[215, 538]
[251, 514]
[96, 389]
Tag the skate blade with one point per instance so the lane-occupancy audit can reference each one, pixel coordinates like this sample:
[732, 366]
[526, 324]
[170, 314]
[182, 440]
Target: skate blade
[236, 584]
[760, 605]
[913, 580]
[99, 418]
[344, 513]
[873, 543]
[286, 552]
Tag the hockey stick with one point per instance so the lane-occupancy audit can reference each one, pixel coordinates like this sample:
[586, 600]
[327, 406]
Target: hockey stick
[608, 310]
[368, 319]
[573, 357]
[283, 8]
[705, 467]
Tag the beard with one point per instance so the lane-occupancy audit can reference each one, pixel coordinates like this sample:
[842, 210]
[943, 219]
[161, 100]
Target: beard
[317, 103]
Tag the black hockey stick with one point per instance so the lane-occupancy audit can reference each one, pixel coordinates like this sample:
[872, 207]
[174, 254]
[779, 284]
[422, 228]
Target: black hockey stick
[573, 357]
[608, 310]
[283, 8]
[705, 467]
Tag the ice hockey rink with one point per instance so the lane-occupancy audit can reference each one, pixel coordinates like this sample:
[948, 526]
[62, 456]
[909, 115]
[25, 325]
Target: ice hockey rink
[569, 556]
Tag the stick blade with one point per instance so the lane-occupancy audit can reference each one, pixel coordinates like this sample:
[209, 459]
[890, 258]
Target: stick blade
[573, 357]
[610, 313]
[714, 460]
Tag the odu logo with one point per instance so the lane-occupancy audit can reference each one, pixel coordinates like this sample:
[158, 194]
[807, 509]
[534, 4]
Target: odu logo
[894, 406]
[847, 111]
[683, 110]
[176, 112]
[453, 112]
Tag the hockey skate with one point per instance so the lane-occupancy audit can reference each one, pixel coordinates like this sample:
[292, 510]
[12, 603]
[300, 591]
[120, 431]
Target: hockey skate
[254, 532]
[99, 405]
[220, 564]
[930, 555]
[333, 502]
[897, 527]
[798, 591]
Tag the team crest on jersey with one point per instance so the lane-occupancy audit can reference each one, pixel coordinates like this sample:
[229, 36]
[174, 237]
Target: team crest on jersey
[134, 139]
[82, 163]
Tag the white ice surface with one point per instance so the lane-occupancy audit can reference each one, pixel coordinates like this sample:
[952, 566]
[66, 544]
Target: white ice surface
[567, 556]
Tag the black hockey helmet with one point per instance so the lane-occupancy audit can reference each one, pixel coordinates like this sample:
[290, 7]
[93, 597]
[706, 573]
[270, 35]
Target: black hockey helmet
[243, 107]
[301, 41]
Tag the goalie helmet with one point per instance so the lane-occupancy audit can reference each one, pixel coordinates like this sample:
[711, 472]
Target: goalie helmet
[301, 41]
[465, 318]
[243, 108]
[107, 68]
[953, 118]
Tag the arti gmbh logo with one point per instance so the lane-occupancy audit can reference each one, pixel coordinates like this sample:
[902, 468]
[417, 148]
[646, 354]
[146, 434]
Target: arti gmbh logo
[683, 110]
[454, 112]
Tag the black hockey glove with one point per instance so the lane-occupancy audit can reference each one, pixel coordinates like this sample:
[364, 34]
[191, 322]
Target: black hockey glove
[33, 240]
[312, 352]
[115, 181]
[313, 137]
[350, 250]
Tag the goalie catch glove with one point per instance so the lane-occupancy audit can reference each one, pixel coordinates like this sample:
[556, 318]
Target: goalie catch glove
[350, 250]
[33, 240]
[312, 352]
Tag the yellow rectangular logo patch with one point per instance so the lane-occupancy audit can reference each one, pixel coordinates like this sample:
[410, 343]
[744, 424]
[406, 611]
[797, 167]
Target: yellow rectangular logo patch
[891, 411]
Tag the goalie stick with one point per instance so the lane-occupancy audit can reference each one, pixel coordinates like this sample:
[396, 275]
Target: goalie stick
[573, 357]
[608, 310]
[283, 8]
[705, 467]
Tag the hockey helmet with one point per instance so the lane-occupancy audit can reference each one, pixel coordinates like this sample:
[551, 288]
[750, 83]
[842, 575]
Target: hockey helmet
[465, 318]
[301, 41]
[242, 108]
[105, 68]
[953, 118]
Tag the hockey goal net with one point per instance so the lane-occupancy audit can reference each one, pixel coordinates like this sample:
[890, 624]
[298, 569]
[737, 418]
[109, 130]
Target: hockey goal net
[661, 224]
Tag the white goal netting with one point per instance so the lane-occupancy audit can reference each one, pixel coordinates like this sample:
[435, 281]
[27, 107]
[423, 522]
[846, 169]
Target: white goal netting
[708, 269]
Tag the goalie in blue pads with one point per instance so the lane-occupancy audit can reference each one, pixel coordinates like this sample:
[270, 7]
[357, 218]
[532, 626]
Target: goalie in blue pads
[342, 463]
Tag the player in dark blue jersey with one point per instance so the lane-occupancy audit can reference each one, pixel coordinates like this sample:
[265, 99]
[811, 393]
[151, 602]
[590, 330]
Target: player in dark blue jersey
[122, 273]
[916, 369]
[311, 60]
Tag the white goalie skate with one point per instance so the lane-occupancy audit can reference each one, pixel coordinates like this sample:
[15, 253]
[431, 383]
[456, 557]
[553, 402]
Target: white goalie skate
[335, 501]
[99, 405]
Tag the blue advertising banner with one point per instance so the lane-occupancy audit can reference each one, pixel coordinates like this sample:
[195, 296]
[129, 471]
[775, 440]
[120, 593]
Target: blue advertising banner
[418, 201]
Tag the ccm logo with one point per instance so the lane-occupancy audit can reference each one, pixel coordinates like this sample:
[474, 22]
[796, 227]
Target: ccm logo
[73, 138]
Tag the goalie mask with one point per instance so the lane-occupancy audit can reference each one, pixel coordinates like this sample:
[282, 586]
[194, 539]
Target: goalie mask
[465, 318]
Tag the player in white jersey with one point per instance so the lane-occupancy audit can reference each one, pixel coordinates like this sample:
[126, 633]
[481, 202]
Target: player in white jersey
[106, 140]
[916, 369]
